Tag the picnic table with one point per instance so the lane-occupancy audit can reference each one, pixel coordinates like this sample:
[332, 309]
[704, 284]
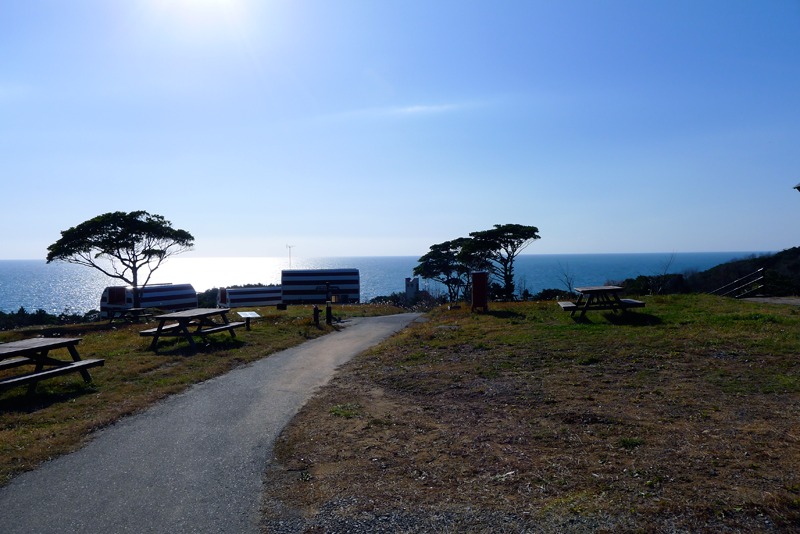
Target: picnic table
[599, 298]
[198, 322]
[129, 315]
[35, 352]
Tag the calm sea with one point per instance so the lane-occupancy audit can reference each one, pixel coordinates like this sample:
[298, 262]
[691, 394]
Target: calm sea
[33, 284]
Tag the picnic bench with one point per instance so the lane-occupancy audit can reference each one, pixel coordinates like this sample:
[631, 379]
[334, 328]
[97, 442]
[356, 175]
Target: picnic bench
[599, 298]
[129, 315]
[198, 322]
[35, 352]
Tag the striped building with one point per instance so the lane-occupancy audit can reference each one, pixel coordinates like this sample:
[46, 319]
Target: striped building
[172, 297]
[313, 286]
[250, 296]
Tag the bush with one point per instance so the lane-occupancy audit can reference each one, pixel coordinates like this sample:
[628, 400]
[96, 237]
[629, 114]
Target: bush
[553, 294]
[423, 301]
[23, 318]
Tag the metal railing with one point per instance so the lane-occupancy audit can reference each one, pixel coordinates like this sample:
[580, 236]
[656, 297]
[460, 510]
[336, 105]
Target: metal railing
[747, 285]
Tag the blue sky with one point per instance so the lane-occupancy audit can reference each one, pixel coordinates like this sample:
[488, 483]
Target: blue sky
[361, 128]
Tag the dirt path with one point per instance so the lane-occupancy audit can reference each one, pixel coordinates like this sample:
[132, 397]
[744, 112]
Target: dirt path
[193, 463]
[794, 301]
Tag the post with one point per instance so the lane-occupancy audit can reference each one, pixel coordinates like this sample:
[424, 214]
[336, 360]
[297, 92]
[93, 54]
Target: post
[316, 315]
[328, 313]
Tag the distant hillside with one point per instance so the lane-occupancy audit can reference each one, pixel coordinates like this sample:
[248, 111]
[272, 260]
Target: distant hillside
[782, 276]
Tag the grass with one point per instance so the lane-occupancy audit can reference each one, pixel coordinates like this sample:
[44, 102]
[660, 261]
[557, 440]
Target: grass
[65, 411]
[346, 410]
[682, 416]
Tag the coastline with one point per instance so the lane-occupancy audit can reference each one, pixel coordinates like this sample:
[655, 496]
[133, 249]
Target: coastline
[56, 287]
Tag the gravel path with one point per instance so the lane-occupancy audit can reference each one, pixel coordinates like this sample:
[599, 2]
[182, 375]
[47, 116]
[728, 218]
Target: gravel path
[192, 463]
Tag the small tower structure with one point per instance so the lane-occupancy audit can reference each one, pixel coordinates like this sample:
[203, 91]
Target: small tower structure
[412, 288]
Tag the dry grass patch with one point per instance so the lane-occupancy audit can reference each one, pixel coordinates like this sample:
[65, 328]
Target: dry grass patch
[65, 411]
[682, 417]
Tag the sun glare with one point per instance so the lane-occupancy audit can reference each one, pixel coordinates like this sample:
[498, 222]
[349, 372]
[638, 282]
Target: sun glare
[201, 19]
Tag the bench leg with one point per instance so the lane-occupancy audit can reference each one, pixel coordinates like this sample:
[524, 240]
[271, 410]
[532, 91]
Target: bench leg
[32, 386]
[188, 335]
[589, 300]
[75, 357]
[154, 344]
[577, 303]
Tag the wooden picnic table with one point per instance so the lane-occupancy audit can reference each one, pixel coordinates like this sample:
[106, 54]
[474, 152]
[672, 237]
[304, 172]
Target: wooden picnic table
[595, 298]
[35, 352]
[129, 315]
[190, 323]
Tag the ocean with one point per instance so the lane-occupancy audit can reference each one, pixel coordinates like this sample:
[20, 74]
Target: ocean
[59, 287]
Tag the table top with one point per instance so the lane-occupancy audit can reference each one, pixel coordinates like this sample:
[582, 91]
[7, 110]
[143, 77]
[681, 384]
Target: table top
[194, 313]
[599, 289]
[13, 348]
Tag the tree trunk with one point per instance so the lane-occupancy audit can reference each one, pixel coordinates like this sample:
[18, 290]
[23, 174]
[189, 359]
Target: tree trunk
[136, 298]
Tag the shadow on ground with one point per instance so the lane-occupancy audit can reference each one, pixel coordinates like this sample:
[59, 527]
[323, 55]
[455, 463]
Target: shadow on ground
[181, 347]
[44, 397]
[506, 314]
[633, 319]
[628, 319]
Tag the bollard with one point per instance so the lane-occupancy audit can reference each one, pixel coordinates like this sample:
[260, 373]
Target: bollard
[328, 313]
[316, 315]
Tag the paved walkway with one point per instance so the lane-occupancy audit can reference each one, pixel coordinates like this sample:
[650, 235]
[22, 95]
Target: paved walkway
[794, 301]
[192, 463]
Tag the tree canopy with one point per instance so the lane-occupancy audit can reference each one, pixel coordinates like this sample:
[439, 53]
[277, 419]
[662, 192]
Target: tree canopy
[452, 263]
[128, 242]
[500, 246]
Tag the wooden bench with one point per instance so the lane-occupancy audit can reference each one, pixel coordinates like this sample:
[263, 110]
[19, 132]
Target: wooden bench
[130, 315]
[15, 362]
[169, 330]
[164, 330]
[35, 376]
[622, 305]
[221, 328]
[630, 303]
[34, 351]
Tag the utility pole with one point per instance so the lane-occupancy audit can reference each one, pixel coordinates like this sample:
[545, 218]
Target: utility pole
[290, 254]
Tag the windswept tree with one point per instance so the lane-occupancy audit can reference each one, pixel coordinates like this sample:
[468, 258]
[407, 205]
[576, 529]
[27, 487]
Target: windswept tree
[120, 244]
[441, 265]
[501, 245]
[451, 264]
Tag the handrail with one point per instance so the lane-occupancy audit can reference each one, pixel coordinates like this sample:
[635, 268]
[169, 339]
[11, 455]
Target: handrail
[743, 286]
[740, 295]
[748, 284]
[736, 282]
